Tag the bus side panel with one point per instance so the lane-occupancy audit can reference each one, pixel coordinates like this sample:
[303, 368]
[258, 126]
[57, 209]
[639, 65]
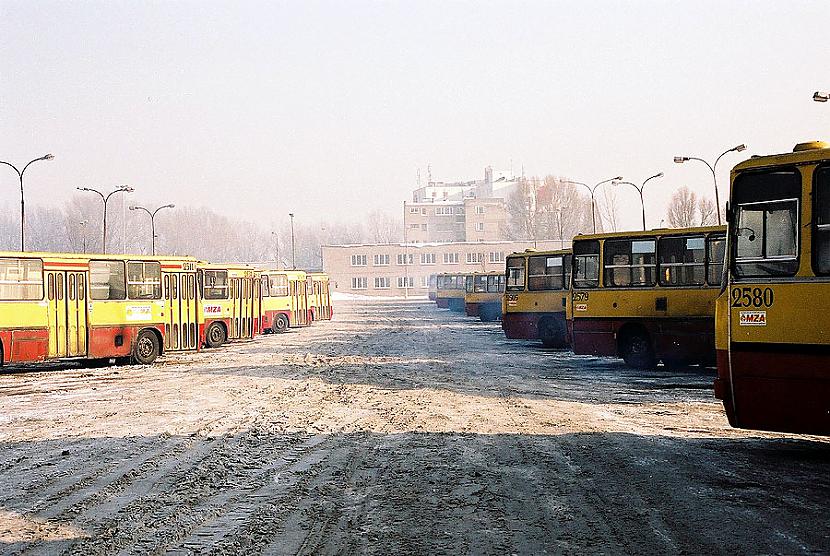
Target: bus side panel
[442, 302]
[685, 340]
[471, 309]
[521, 326]
[25, 346]
[594, 336]
[111, 341]
[781, 388]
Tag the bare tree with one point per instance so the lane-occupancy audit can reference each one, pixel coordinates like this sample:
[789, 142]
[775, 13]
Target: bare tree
[384, 227]
[609, 209]
[549, 208]
[683, 208]
[706, 211]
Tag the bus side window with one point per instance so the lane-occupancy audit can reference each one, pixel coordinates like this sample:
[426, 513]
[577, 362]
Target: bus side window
[50, 281]
[716, 248]
[71, 287]
[81, 287]
[167, 286]
[821, 220]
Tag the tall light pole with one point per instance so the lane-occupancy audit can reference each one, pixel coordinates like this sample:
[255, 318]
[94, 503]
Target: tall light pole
[713, 168]
[105, 199]
[22, 203]
[821, 96]
[83, 224]
[639, 189]
[592, 190]
[152, 220]
[293, 252]
[277, 245]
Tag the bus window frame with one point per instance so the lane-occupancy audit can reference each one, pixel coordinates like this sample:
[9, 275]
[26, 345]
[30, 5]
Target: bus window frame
[630, 266]
[156, 294]
[818, 229]
[123, 275]
[561, 275]
[759, 260]
[515, 288]
[476, 286]
[575, 259]
[205, 287]
[43, 284]
[704, 264]
[709, 239]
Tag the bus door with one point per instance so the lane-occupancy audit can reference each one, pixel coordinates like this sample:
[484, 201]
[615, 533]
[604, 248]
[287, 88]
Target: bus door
[66, 298]
[182, 327]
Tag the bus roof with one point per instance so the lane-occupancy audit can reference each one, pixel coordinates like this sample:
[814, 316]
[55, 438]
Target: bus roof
[290, 273]
[803, 153]
[94, 256]
[652, 233]
[534, 252]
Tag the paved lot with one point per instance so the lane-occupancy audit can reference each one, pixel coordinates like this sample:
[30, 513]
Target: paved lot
[395, 428]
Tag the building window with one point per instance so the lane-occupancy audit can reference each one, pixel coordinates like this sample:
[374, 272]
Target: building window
[423, 211]
[496, 257]
[382, 283]
[459, 210]
[479, 210]
[414, 210]
[358, 260]
[475, 258]
[414, 226]
[380, 260]
[479, 226]
[406, 258]
[427, 258]
[450, 258]
[360, 283]
[424, 282]
[406, 281]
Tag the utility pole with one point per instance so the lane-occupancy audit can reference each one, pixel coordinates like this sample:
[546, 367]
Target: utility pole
[105, 199]
[22, 203]
[293, 252]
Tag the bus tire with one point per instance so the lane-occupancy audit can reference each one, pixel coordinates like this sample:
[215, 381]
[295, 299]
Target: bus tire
[215, 335]
[280, 324]
[636, 350]
[146, 348]
[551, 333]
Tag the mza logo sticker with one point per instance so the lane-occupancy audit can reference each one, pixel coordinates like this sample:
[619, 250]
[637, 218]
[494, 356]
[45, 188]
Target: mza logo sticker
[213, 309]
[581, 307]
[753, 318]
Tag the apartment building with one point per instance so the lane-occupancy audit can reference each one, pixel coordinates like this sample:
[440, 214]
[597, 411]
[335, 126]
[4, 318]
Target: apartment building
[409, 269]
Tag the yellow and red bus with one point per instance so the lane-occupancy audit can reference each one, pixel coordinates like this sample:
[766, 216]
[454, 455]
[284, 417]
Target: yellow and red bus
[773, 336]
[285, 301]
[482, 296]
[647, 296]
[97, 307]
[230, 307]
[320, 296]
[450, 288]
[536, 298]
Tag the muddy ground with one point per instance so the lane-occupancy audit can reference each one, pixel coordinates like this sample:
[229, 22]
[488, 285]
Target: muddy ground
[395, 428]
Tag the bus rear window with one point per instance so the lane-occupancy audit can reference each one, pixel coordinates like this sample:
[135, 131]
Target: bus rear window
[766, 223]
[468, 283]
[586, 264]
[215, 284]
[480, 284]
[143, 280]
[545, 273]
[495, 284]
[630, 262]
[21, 279]
[515, 274]
[278, 285]
[821, 220]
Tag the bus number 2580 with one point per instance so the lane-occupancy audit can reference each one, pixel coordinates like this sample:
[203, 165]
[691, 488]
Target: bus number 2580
[752, 297]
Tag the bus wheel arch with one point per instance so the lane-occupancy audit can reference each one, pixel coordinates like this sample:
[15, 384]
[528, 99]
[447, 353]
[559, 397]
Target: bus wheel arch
[147, 346]
[634, 345]
[216, 334]
[281, 324]
[551, 332]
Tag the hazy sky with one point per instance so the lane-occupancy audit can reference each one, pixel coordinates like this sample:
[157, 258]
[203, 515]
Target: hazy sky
[265, 108]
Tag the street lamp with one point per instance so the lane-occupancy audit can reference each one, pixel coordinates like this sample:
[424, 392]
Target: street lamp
[105, 199]
[639, 189]
[152, 220]
[293, 253]
[713, 168]
[277, 245]
[83, 224]
[821, 96]
[22, 204]
[592, 190]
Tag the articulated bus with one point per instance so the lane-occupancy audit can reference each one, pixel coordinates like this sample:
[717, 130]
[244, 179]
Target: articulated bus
[319, 293]
[483, 293]
[450, 291]
[647, 296]
[537, 297]
[231, 303]
[69, 306]
[284, 300]
[773, 337]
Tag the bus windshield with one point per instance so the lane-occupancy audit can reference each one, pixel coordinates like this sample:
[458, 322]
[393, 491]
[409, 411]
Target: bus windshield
[515, 274]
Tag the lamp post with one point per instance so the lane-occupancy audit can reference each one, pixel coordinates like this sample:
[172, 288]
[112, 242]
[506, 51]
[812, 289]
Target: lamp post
[277, 249]
[821, 96]
[22, 203]
[713, 168]
[83, 224]
[592, 190]
[152, 220]
[293, 252]
[639, 189]
[105, 199]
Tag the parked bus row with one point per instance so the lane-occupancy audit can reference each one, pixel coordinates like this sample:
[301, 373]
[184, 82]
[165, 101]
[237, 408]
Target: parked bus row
[751, 297]
[477, 294]
[56, 306]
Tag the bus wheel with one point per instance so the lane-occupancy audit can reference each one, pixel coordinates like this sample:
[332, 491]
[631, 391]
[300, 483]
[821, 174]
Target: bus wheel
[280, 324]
[551, 333]
[637, 351]
[146, 348]
[215, 335]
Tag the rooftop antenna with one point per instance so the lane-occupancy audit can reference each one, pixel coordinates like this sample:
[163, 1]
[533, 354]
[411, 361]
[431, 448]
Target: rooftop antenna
[429, 174]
